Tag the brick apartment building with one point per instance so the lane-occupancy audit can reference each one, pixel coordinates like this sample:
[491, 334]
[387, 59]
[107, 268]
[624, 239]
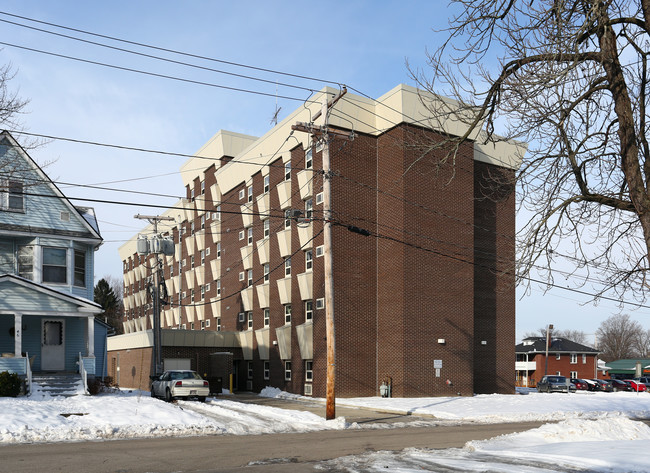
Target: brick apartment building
[425, 302]
[565, 358]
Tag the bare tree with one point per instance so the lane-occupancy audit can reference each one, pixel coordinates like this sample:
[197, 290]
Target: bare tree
[617, 337]
[570, 78]
[642, 345]
[577, 336]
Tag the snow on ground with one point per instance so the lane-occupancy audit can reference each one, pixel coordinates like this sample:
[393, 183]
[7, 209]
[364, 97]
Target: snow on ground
[593, 430]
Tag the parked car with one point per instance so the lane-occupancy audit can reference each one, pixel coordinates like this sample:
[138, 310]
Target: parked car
[174, 384]
[603, 385]
[637, 386]
[618, 385]
[644, 379]
[555, 383]
[580, 384]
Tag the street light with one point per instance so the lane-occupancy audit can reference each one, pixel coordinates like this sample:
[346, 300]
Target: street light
[549, 327]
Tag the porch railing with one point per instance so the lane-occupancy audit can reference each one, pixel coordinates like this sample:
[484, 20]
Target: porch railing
[82, 372]
[28, 367]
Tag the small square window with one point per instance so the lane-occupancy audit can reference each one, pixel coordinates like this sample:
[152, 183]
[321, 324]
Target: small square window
[320, 303]
[320, 250]
[319, 198]
[558, 356]
[241, 317]
[242, 276]
[241, 234]
[242, 194]
[207, 322]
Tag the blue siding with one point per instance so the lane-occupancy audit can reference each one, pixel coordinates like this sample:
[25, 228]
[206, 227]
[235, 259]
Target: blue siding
[101, 333]
[75, 342]
[23, 299]
[13, 365]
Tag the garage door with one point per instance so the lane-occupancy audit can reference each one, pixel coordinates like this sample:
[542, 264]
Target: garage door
[177, 364]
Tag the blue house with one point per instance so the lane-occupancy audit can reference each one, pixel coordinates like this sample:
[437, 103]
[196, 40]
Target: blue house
[47, 245]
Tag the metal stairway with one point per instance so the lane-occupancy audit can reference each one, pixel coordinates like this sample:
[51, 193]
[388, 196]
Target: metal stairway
[57, 384]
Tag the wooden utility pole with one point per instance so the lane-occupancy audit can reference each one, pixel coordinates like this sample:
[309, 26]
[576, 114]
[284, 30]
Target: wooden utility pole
[157, 328]
[324, 133]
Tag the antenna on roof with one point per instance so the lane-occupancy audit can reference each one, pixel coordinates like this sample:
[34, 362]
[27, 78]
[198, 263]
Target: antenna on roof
[274, 119]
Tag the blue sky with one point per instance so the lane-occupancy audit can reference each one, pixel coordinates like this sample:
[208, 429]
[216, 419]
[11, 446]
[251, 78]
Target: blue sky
[363, 44]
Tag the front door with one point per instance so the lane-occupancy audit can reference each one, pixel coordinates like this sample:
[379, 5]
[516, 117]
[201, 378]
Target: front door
[53, 345]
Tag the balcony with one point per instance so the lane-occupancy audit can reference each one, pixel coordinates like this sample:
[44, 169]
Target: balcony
[247, 215]
[247, 298]
[305, 333]
[263, 205]
[200, 239]
[189, 246]
[284, 288]
[263, 337]
[263, 293]
[215, 305]
[247, 256]
[305, 232]
[284, 194]
[305, 182]
[284, 242]
[263, 248]
[305, 283]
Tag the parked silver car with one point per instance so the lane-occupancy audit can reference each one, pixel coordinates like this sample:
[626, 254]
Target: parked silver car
[175, 384]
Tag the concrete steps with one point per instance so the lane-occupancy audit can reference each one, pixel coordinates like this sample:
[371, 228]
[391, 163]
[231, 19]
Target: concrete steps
[57, 384]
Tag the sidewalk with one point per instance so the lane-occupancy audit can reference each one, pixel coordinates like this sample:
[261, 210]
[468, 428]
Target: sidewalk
[351, 414]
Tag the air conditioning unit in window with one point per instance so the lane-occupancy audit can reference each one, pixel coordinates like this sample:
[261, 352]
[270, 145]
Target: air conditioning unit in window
[307, 389]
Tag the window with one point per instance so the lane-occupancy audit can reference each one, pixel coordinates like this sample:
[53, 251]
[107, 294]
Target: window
[202, 289]
[184, 294]
[202, 221]
[250, 193]
[584, 358]
[308, 159]
[218, 287]
[557, 356]
[192, 295]
[202, 187]
[242, 193]
[308, 260]
[309, 207]
[250, 277]
[574, 360]
[80, 268]
[287, 266]
[241, 234]
[250, 236]
[319, 198]
[287, 171]
[14, 199]
[287, 371]
[192, 261]
[287, 218]
[192, 326]
[26, 262]
[202, 254]
[267, 317]
[242, 276]
[192, 195]
[207, 287]
[54, 265]
[574, 374]
[320, 303]
[267, 370]
[267, 269]
[207, 251]
[183, 263]
[249, 369]
[184, 326]
[217, 214]
[218, 324]
[192, 228]
[202, 325]
[309, 310]
[287, 314]
[218, 250]
[267, 183]
[207, 322]
[267, 228]
[242, 316]
[309, 371]
[320, 250]
[250, 319]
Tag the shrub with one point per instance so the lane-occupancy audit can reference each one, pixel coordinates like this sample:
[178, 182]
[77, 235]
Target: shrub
[10, 384]
[97, 386]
